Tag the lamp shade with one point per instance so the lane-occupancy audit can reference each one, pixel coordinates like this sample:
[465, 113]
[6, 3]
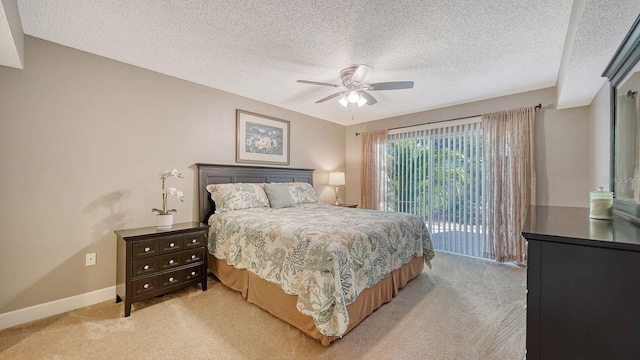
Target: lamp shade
[353, 97]
[343, 101]
[336, 178]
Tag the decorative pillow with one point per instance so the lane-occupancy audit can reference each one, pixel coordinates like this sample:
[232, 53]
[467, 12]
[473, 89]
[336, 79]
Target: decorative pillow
[237, 196]
[302, 192]
[279, 195]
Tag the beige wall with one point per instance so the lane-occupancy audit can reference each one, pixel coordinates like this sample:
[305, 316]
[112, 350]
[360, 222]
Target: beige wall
[83, 139]
[600, 139]
[562, 144]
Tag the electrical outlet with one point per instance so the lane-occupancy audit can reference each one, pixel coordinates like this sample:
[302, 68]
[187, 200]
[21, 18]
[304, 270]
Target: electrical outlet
[90, 259]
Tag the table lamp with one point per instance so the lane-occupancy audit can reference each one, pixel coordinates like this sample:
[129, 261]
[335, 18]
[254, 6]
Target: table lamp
[336, 179]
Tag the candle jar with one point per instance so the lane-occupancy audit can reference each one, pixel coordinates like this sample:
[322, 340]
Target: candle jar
[601, 204]
[601, 229]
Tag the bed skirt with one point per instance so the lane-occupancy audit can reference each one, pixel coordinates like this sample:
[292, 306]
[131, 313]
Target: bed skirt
[272, 298]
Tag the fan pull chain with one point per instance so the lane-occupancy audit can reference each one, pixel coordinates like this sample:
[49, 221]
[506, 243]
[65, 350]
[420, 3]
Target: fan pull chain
[352, 115]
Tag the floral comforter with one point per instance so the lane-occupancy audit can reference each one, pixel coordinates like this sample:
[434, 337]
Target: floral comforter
[324, 254]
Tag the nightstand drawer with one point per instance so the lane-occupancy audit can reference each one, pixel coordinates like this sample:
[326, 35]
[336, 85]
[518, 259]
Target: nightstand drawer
[144, 249]
[144, 267]
[193, 256]
[170, 279]
[170, 244]
[194, 240]
[192, 273]
[170, 261]
[143, 286]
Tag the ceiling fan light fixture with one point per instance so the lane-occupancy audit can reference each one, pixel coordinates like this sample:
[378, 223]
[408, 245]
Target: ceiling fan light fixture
[353, 97]
[344, 101]
[355, 89]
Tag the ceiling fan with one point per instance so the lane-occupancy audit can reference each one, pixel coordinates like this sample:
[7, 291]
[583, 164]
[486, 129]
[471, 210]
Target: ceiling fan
[354, 86]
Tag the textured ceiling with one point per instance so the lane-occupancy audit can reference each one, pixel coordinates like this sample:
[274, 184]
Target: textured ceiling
[598, 29]
[454, 51]
[11, 35]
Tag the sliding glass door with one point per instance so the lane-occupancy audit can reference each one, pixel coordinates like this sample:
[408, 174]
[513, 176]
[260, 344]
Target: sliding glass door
[435, 172]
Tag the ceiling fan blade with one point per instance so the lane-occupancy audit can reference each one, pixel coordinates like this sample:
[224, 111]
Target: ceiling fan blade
[317, 83]
[362, 73]
[393, 85]
[330, 97]
[370, 99]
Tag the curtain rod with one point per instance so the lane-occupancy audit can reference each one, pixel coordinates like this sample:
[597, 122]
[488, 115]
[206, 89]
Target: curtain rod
[539, 106]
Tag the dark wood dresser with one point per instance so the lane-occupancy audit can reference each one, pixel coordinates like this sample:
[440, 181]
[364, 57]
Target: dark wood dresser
[153, 262]
[583, 285]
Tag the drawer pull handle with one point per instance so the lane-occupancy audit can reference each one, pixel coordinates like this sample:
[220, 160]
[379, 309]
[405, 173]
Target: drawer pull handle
[146, 267]
[171, 262]
[146, 286]
[193, 273]
[170, 279]
[172, 245]
[147, 249]
[194, 241]
[193, 256]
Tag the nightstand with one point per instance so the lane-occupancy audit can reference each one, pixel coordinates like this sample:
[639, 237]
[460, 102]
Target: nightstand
[152, 262]
[348, 205]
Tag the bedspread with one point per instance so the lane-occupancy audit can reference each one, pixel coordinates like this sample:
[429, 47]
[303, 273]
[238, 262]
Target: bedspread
[324, 254]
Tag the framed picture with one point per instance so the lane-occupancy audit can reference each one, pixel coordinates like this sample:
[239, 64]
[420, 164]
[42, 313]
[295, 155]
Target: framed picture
[261, 139]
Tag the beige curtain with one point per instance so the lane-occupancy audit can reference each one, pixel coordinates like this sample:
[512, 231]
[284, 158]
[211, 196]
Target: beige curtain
[635, 183]
[510, 181]
[373, 184]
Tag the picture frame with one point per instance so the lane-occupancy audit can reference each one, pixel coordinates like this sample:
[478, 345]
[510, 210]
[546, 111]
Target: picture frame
[261, 139]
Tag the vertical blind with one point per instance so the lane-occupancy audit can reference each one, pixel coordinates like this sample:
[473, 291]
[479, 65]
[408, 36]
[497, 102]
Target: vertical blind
[436, 172]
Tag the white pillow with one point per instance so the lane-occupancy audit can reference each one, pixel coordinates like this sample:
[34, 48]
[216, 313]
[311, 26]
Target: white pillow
[237, 196]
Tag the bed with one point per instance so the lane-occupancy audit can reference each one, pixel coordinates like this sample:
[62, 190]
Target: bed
[319, 267]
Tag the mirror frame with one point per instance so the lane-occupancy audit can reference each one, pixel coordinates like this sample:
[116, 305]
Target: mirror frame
[625, 58]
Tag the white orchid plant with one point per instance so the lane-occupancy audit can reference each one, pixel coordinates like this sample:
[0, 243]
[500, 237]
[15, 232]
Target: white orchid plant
[171, 191]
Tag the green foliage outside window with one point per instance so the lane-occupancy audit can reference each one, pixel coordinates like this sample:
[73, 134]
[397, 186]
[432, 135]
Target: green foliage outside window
[435, 179]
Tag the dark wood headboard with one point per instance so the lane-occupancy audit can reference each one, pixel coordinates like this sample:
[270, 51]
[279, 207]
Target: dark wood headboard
[224, 174]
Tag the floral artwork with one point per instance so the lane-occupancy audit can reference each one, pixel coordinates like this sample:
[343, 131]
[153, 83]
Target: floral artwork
[261, 139]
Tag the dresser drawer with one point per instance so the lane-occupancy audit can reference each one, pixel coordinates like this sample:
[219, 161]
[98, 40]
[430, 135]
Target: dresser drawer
[170, 279]
[194, 240]
[170, 261]
[144, 267]
[144, 249]
[192, 273]
[170, 244]
[143, 286]
[193, 256]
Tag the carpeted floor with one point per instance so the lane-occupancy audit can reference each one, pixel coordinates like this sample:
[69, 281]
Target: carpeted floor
[464, 308]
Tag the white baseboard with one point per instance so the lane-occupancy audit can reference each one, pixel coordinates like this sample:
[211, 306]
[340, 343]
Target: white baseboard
[41, 311]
